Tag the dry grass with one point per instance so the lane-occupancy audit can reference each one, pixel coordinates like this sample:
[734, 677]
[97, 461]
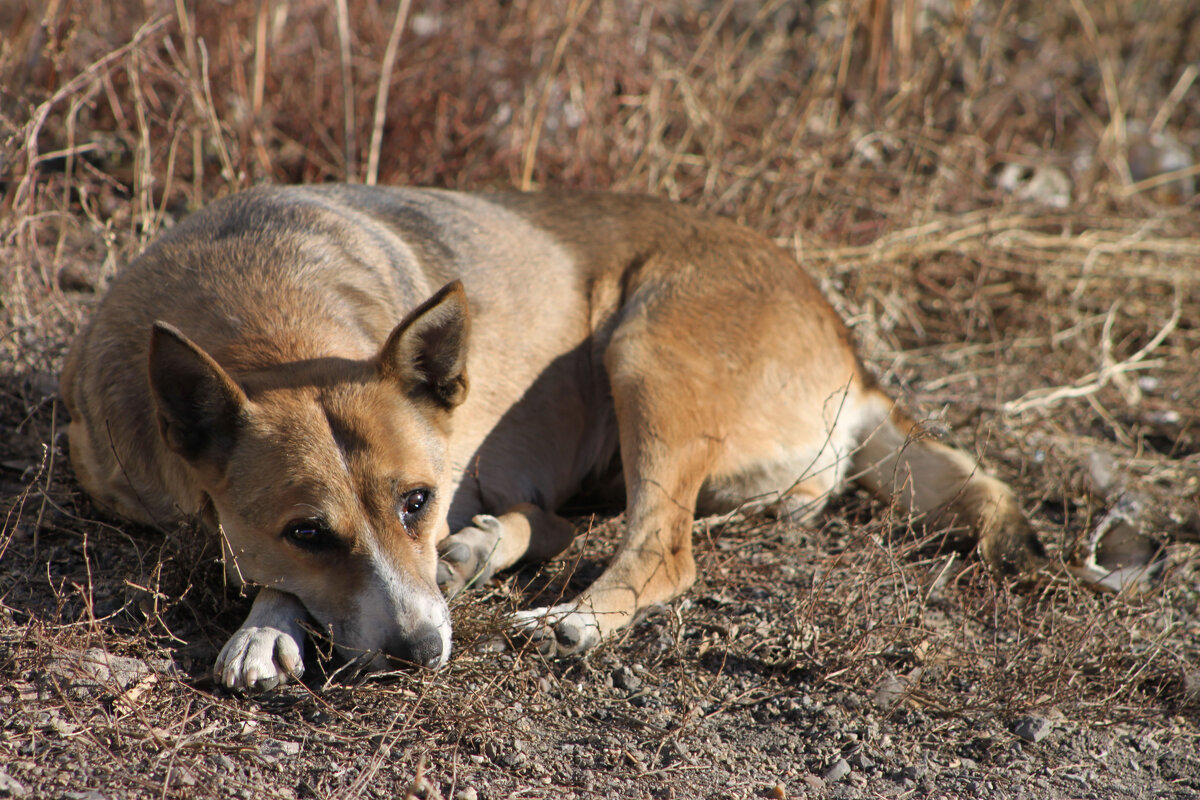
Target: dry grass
[868, 137]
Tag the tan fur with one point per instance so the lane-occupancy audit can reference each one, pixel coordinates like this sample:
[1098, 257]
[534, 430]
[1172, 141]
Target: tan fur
[249, 369]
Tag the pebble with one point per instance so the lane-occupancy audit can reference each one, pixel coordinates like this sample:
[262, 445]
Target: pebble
[1153, 153]
[273, 750]
[624, 678]
[1046, 185]
[889, 692]
[837, 771]
[813, 782]
[468, 793]
[1031, 728]
[863, 761]
[11, 787]
[76, 278]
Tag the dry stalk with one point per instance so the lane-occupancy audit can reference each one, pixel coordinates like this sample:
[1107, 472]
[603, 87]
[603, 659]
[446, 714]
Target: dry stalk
[1174, 97]
[574, 14]
[23, 198]
[381, 93]
[1109, 371]
[349, 128]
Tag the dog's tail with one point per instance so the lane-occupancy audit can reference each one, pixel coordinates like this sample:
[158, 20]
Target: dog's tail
[946, 486]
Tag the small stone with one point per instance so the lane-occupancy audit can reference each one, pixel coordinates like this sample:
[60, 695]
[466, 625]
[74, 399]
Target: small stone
[76, 278]
[813, 782]
[1191, 686]
[862, 761]
[1103, 476]
[1154, 153]
[889, 692]
[837, 771]
[1046, 185]
[777, 792]
[1031, 728]
[183, 777]
[273, 750]
[624, 678]
[467, 793]
[11, 787]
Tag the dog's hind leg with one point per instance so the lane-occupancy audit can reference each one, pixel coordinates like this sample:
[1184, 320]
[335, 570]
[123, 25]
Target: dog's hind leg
[490, 544]
[924, 476]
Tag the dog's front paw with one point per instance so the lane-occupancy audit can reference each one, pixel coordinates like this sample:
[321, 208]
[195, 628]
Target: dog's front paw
[563, 630]
[465, 558]
[258, 659]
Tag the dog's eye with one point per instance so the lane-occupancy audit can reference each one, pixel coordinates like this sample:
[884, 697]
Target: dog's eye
[414, 502]
[312, 535]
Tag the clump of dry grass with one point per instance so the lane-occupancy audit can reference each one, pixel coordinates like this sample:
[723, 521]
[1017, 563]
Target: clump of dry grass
[865, 136]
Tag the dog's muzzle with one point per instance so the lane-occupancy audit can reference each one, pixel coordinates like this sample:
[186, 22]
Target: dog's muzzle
[423, 648]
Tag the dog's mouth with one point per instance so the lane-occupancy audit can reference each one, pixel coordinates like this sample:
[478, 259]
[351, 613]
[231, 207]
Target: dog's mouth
[428, 652]
[390, 634]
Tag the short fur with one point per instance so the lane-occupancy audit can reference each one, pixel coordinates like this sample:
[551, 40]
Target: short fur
[251, 368]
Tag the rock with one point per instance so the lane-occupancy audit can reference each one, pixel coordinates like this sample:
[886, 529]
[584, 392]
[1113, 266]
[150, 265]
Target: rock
[889, 691]
[862, 761]
[98, 668]
[1154, 153]
[1117, 555]
[1103, 477]
[273, 750]
[813, 782]
[1045, 185]
[1191, 686]
[11, 787]
[837, 771]
[1031, 728]
[624, 678]
[467, 793]
[76, 278]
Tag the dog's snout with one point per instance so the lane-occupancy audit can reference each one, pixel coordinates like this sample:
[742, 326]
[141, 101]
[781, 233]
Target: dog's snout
[423, 647]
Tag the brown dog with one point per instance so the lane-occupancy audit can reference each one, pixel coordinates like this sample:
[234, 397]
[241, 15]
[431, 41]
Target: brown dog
[248, 369]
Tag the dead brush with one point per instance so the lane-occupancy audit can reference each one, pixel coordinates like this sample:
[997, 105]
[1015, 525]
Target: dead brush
[867, 137]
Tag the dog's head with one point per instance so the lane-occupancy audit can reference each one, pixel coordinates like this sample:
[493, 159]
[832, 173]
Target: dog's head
[330, 477]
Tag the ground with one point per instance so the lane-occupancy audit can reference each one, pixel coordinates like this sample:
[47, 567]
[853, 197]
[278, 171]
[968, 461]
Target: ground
[999, 197]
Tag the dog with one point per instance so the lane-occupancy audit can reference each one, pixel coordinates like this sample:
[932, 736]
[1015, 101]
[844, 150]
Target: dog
[378, 396]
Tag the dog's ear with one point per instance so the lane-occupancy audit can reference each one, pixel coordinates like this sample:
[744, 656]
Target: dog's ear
[426, 355]
[196, 402]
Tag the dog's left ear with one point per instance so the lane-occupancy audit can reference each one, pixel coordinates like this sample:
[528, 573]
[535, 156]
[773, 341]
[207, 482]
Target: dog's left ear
[427, 353]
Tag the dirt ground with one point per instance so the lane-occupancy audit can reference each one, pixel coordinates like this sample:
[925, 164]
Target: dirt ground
[999, 197]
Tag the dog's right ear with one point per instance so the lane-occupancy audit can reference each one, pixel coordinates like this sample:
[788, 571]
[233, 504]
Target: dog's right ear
[197, 404]
[426, 355]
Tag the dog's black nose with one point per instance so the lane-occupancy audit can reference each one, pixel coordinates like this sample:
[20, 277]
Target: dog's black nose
[422, 647]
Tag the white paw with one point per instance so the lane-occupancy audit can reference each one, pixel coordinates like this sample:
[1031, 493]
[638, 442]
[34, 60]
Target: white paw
[258, 659]
[464, 558]
[562, 630]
